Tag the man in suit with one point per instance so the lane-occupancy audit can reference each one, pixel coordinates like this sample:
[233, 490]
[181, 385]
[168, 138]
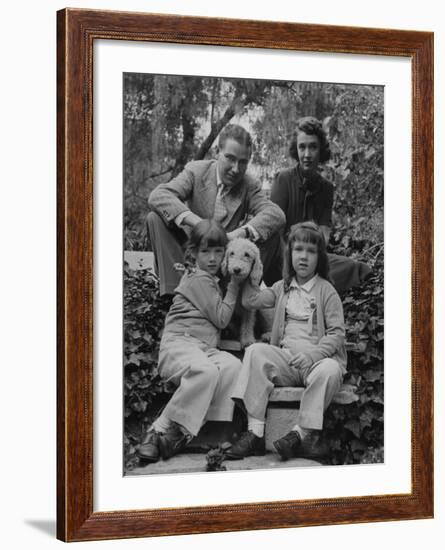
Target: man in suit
[219, 189]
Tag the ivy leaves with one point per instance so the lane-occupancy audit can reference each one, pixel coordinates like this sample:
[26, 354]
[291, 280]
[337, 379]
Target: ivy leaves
[144, 314]
[355, 431]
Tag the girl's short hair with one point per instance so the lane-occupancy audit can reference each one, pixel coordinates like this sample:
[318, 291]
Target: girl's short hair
[307, 232]
[207, 233]
[313, 127]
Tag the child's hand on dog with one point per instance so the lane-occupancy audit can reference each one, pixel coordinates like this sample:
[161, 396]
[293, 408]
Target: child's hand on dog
[300, 360]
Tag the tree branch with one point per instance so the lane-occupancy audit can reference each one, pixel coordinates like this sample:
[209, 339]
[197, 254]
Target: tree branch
[215, 84]
[217, 126]
[166, 171]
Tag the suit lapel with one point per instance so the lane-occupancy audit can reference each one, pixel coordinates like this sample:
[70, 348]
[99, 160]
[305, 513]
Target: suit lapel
[233, 201]
[209, 194]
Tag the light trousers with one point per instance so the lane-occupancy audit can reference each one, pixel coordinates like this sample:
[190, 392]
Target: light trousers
[203, 380]
[266, 366]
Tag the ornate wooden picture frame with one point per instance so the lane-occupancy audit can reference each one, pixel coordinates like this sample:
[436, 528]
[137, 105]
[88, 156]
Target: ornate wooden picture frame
[77, 31]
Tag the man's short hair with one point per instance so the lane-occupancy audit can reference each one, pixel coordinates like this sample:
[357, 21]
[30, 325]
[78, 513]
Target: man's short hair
[237, 133]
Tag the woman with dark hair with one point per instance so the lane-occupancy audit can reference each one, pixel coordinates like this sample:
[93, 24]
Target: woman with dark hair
[304, 195]
[301, 192]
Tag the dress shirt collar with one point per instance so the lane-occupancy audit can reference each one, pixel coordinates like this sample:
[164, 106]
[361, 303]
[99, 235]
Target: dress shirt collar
[308, 286]
[220, 187]
[219, 184]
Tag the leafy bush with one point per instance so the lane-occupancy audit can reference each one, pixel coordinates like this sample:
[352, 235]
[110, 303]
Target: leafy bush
[144, 314]
[355, 431]
[356, 134]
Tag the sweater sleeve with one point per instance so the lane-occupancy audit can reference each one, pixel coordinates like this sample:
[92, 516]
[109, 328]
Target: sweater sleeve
[204, 293]
[334, 336]
[279, 192]
[254, 297]
[326, 213]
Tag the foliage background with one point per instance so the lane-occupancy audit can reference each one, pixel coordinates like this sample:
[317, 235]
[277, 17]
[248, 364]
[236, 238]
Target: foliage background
[170, 120]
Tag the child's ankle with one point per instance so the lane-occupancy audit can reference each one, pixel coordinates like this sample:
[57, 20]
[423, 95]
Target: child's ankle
[303, 432]
[255, 426]
[183, 430]
[161, 425]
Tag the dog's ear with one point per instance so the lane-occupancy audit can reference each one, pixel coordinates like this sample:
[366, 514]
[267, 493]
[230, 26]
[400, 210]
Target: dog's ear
[224, 265]
[256, 272]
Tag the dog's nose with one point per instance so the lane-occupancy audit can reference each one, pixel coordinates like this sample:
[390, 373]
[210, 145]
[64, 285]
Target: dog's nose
[236, 270]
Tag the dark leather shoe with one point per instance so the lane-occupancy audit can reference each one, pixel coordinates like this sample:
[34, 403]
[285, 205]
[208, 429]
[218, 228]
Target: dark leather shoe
[248, 444]
[172, 442]
[149, 449]
[289, 445]
[313, 446]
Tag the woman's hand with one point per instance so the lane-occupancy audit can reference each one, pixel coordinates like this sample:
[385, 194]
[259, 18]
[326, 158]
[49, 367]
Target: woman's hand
[300, 360]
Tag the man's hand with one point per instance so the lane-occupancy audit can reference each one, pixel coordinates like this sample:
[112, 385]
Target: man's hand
[240, 232]
[300, 361]
[191, 220]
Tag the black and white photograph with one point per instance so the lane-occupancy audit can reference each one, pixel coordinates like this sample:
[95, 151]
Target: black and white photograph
[253, 274]
[114, 272]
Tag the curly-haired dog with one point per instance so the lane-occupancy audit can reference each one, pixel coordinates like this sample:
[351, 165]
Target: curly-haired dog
[243, 258]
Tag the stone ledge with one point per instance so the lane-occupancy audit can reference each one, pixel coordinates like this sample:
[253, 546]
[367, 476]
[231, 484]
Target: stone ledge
[234, 345]
[289, 394]
[139, 259]
[196, 463]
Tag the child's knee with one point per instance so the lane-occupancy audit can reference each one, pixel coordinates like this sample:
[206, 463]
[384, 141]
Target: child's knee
[330, 368]
[227, 362]
[208, 373]
[234, 366]
[259, 362]
[256, 351]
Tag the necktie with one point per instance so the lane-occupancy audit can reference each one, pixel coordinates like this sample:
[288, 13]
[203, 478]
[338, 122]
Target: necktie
[220, 211]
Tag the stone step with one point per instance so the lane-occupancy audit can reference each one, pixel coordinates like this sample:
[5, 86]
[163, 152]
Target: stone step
[139, 259]
[234, 345]
[189, 463]
[288, 394]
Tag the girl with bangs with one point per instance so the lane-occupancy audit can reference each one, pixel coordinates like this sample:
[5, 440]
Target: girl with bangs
[307, 349]
[202, 376]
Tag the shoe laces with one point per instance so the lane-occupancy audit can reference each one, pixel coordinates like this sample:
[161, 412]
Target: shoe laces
[249, 435]
[151, 436]
[180, 433]
[292, 436]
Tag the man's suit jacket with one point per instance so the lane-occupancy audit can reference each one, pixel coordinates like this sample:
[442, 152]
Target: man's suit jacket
[195, 189]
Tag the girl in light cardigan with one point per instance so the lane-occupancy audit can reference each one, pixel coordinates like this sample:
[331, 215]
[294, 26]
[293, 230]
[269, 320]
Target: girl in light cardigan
[202, 376]
[307, 349]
